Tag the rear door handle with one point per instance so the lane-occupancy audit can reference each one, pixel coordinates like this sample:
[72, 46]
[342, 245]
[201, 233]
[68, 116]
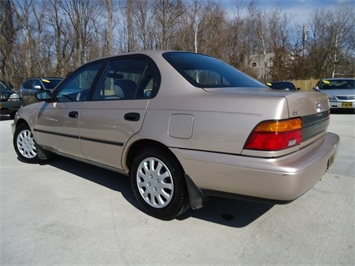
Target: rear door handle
[132, 116]
[73, 114]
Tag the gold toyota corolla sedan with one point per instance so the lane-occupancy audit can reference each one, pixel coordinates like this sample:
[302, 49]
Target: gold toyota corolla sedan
[183, 126]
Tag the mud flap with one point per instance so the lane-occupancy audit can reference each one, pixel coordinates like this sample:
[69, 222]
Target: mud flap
[195, 194]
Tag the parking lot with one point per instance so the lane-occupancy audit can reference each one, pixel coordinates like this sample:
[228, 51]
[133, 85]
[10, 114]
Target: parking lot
[67, 212]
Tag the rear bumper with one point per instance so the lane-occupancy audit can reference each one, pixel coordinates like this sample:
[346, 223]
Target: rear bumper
[277, 179]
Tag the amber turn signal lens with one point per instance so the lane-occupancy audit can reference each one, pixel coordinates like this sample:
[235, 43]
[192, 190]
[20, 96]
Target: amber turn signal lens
[279, 126]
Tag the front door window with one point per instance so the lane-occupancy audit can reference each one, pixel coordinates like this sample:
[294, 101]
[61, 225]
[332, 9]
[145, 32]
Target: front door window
[76, 88]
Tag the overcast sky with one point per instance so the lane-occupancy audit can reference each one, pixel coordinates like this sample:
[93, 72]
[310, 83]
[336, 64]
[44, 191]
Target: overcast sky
[299, 9]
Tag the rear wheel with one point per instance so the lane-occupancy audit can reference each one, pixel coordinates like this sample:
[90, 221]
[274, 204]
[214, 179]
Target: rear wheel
[25, 145]
[158, 184]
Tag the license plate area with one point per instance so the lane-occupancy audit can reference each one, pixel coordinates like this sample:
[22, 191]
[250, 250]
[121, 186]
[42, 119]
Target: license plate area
[346, 104]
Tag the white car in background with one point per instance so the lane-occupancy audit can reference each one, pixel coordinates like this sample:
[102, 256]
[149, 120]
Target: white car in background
[340, 91]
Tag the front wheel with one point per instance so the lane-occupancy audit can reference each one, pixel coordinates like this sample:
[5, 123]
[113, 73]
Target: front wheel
[158, 184]
[25, 145]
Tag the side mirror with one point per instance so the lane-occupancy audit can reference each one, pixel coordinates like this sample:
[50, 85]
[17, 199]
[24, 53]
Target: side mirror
[37, 87]
[43, 95]
[316, 88]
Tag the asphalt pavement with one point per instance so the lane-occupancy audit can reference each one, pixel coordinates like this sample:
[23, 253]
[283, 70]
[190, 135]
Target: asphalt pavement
[66, 212]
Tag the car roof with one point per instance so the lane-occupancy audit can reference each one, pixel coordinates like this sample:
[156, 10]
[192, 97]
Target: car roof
[154, 54]
[338, 79]
[51, 78]
[280, 81]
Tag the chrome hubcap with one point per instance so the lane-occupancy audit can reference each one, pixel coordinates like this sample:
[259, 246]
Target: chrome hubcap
[155, 182]
[26, 145]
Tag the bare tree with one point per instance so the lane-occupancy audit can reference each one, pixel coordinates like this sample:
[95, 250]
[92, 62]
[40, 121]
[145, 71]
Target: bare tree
[328, 47]
[109, 8]
[237, 47]
[188, 27]
[23, 13]
[7, 37]
[53, 37]
[212, 30]
[143, 21]
[278, 37]
[82, 15]
[61, 30]
[341, 27]
[167, 12]
[39, 57]
[196, 20]
[129, 13]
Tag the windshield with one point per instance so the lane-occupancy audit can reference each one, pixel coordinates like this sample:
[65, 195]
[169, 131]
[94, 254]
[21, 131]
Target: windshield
[337, 84]
[281, 85]
[207, 72]
[51, 83]
[4, 87]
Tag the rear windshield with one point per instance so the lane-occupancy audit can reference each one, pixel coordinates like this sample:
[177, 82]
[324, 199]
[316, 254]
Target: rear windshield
[337, 84]
[207, 72]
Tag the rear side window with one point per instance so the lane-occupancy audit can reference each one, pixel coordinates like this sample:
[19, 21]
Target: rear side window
[207, 72]
[28, 84]
[37, 82]
[127, 79]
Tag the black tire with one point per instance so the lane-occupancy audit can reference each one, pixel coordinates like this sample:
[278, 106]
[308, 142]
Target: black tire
[12, 115]
[158, 184]
[25, 145]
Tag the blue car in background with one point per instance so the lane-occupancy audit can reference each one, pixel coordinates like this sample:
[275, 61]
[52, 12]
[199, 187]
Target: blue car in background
[10, 101]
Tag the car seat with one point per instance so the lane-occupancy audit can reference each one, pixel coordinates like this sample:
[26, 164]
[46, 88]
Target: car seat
[127, 87]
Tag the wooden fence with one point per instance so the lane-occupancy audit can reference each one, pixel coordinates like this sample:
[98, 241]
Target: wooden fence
[305, 85]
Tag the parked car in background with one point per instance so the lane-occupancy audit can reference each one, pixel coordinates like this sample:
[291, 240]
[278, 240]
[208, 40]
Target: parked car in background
[282, 85]
[183, 126]
[10, 101]
[341, 92]
[31, 86]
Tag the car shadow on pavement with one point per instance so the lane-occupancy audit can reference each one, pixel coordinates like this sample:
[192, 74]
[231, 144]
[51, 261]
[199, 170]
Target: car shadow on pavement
[229, 212]
[343, 111]
[224, 211]
[110, 179]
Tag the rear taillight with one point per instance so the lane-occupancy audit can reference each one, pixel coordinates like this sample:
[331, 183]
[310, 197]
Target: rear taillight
[275, 135]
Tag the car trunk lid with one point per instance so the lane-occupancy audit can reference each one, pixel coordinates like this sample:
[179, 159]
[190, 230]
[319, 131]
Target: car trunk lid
[311, 106]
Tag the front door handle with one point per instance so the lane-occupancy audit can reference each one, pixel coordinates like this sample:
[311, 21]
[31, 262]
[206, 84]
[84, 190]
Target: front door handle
[73, 114]
[132, 116]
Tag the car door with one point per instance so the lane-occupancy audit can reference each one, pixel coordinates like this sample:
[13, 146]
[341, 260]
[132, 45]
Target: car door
[27, 92]
[117, 110]
[58, 121]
